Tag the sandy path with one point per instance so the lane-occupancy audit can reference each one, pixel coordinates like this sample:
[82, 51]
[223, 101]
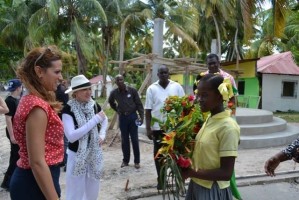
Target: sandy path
[114, 178]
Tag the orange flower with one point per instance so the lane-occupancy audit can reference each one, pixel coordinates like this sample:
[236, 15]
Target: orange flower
[168, 137]
[168, 101]
[168, 142]
[168, 108]
[184, 103]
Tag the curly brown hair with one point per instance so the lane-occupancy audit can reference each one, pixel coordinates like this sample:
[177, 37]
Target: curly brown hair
[43, 57]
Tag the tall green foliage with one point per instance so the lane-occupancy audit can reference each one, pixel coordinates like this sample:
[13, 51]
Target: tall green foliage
[8, 62]
[88, 31]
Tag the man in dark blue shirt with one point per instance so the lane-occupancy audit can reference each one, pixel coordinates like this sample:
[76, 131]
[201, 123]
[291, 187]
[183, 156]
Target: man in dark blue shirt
[126, 102]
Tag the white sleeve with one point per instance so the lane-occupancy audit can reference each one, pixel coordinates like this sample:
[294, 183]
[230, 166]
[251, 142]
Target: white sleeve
[104, 127]
[73, 134]
[148, 99]
[181, 91]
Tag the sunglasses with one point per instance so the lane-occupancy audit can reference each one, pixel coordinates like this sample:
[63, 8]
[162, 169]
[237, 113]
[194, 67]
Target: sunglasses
[42, 54]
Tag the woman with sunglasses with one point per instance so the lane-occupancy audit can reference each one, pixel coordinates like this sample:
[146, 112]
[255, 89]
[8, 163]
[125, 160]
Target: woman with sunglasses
[38, 129]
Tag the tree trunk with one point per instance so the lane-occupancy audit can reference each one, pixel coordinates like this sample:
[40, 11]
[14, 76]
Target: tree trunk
[81, 59]
[218, 37]
[105, 68]
[236, 49]
[121, 48]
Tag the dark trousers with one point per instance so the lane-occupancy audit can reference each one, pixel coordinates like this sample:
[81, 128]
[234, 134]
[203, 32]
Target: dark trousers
[13, 158]
[65, 141]
[158, 135]
[23, 185]
[129, 130]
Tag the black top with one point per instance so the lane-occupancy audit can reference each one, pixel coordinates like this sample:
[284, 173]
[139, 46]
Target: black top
[12, 104]
[61, 96]
[198, 77]
[67, 110]
[127, 101]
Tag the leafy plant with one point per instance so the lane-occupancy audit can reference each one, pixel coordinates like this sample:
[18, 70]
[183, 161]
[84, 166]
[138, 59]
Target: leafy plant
[183, 121]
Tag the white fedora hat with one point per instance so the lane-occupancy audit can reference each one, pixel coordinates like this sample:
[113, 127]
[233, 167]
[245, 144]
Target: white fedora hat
[79, 82]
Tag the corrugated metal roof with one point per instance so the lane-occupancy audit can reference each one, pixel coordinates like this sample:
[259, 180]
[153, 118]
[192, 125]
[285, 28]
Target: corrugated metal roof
[282, 63]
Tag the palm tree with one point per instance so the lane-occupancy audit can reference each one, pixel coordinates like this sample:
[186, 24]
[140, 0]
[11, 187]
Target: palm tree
[215, 16]
[77, 18]
[180, 18]
[109, 30]
[13, 24]
[292, 33]
[132, 25]
[268, 38]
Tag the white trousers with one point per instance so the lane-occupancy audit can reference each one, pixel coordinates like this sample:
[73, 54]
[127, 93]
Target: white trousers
[79, 187]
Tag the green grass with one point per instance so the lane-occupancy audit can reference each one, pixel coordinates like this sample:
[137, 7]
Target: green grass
[292, 117]
[109, 111]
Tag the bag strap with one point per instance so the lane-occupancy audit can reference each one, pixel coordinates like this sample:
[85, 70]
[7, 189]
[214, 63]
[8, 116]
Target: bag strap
[95, 108]
[96, 111]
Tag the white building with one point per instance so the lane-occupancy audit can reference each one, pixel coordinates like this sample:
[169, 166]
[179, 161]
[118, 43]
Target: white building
[98, 84]
[280, 77]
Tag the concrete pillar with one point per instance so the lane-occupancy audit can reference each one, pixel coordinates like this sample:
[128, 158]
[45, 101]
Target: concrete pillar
[157, 45]
[214, 48]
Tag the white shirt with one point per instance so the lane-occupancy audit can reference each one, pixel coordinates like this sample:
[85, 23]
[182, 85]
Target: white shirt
[156, 95]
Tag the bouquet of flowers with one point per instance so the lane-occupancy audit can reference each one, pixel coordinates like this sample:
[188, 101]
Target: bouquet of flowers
[183, 121]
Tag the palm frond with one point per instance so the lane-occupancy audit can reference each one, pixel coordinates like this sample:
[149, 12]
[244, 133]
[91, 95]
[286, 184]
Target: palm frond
[82, 39]
[279, 17]
[177, 31]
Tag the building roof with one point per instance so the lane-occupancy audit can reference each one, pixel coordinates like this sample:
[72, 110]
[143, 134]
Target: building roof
[226, 63]
[282, 63]
[99, 78]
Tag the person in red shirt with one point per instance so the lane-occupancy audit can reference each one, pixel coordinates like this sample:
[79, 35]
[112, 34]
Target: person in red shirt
[38, 129]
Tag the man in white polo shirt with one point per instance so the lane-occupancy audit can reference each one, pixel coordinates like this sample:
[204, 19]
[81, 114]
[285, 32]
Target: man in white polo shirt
[156, 95]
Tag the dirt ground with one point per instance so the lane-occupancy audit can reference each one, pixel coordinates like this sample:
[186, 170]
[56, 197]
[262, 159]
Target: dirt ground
[113, 183]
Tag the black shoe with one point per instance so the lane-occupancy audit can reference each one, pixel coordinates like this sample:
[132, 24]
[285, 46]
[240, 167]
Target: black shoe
[124, 164]
[5, 186]
[137, 165]
[5, 183]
